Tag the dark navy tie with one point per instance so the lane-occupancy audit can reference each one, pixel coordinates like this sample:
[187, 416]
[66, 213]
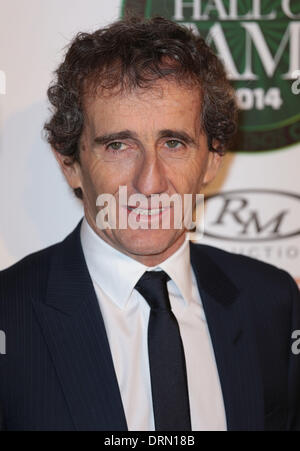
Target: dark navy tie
[166, 356]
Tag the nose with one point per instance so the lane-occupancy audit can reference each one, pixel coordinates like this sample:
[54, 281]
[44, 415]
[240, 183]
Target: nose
[150, 176]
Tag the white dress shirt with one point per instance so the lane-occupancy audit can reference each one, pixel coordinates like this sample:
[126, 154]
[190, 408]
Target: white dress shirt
[126, 314]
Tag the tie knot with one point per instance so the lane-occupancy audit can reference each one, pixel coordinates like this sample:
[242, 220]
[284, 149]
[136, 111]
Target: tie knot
[153, 287]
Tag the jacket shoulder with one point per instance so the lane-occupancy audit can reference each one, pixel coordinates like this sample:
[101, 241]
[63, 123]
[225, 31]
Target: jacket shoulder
[246, 270]
[26, 276]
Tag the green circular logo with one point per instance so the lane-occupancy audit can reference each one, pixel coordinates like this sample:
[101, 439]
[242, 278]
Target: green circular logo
[259, 42]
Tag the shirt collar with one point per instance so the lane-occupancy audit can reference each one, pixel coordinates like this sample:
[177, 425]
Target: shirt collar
[117, 273]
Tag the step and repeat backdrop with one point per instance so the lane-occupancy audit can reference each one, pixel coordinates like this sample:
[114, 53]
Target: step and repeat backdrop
[253, 207]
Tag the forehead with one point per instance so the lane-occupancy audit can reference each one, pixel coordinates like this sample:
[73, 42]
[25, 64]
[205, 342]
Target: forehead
[165, 102]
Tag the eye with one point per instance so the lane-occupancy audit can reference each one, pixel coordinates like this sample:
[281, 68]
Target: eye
[115, 146]
[174, 144]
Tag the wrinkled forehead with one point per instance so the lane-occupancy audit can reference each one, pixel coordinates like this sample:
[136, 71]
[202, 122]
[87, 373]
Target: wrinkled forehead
[164, 97]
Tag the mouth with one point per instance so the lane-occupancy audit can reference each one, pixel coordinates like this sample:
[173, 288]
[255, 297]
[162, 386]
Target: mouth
[152, 217]
[146, 211]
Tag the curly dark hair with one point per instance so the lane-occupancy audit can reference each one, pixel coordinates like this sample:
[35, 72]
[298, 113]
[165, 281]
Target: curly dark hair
[134, 53]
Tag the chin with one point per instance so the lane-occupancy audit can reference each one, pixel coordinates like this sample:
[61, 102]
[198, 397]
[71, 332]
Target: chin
[147, 242]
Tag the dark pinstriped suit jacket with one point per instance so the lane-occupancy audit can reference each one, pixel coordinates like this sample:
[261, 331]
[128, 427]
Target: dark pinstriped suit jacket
[58, 373]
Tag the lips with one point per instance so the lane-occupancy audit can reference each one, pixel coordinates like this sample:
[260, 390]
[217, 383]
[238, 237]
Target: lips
[147, 207]
[146, 211]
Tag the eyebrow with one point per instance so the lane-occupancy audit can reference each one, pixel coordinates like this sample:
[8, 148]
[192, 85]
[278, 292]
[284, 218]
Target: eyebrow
[128, 134]
[177, 134]
[124, 134]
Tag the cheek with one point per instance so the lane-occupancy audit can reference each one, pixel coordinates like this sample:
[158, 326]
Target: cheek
[188, 178]
[101, 178]
[198, 170]
[92, 181]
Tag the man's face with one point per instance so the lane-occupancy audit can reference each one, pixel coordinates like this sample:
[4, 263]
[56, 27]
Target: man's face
[151, 142]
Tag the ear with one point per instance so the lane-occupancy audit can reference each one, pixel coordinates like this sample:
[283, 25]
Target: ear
[213, 164]
[71, 169]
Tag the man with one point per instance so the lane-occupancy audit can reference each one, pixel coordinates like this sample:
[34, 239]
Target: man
[136, 328]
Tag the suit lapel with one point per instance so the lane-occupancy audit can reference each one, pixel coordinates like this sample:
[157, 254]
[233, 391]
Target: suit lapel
[75, 334]
[233, 342]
